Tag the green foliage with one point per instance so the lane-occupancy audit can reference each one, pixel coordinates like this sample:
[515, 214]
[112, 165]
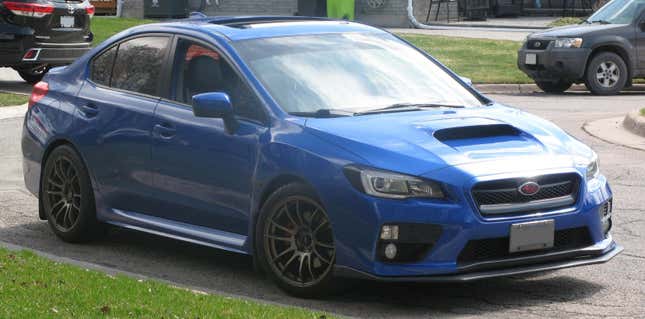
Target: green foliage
[565, 21]
[105, 27]
[35, 287]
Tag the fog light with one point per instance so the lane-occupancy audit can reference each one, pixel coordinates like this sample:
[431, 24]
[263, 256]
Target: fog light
[605, 216]
[390, 232]
[390, 251]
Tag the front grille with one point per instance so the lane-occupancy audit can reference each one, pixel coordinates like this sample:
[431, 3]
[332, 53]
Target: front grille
[506, 192]
[537, 44]
[498, 248]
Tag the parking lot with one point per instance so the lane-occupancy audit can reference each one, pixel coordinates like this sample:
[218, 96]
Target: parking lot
[615, 289]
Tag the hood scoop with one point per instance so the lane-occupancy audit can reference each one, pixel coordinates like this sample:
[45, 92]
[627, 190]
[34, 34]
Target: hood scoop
[489, 141]
[475, 132]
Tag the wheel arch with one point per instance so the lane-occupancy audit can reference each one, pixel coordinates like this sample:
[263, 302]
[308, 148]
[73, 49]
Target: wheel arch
[617, 49]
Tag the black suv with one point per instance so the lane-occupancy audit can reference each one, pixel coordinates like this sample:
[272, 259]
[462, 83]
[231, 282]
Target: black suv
[36, 35]
[606, 51]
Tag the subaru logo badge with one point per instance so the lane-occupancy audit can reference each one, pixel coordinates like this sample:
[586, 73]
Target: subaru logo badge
[529, 188]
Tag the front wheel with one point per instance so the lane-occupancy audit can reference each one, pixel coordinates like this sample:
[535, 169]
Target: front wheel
[295, 242]
[606, 74]
[33, 74]
[556, 87]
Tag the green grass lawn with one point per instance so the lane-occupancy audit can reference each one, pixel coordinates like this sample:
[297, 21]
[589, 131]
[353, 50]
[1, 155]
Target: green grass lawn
[105, 27]
[484, 61]
[35, 287]
[10, 99]
[643, 111]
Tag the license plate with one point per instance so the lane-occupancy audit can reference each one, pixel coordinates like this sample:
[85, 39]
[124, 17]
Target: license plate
[531, 58]
[67, 22]
[532, 236]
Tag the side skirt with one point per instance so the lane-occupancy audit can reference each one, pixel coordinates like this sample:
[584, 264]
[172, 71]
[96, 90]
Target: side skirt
[177, 230]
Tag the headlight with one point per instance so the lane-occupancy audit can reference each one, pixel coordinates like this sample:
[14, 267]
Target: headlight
[391, 185]
[592, 168]
[568, 43]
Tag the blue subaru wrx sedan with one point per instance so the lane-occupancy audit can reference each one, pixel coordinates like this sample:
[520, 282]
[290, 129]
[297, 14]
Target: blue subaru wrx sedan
[324, 149]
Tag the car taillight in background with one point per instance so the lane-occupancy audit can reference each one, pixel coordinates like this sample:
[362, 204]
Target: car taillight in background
[90, 9]
[38, 93]
[35, 10]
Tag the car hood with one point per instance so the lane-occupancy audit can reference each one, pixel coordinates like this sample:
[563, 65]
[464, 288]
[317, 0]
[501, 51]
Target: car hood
[419, 142]
[578, 30]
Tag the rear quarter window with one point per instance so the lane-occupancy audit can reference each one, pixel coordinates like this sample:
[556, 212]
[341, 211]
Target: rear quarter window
[101, 69]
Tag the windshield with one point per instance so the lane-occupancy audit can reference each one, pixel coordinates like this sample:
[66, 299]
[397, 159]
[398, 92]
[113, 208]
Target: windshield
[618, 12]
[349, 72]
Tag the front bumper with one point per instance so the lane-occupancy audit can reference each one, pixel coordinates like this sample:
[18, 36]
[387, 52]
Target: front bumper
[599, 253]
[554, 64]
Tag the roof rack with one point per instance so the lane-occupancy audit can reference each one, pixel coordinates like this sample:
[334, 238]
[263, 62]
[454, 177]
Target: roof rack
[245, 20]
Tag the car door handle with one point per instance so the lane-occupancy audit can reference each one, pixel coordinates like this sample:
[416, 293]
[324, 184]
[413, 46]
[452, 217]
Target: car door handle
[164, 130]
[89, 110]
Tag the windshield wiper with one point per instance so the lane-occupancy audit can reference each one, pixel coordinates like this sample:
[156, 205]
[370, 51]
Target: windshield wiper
[324, 113]
[406, 107]
[599, 21]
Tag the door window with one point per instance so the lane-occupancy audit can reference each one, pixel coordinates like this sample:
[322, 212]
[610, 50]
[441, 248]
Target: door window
[199, 69]
[138, 64]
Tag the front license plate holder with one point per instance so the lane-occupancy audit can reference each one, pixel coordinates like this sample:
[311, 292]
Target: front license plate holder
[530, 58]
[532, 236]
[67, 21]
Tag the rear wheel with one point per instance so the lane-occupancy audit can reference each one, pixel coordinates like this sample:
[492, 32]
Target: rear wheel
[295, 242]
[606, 74]
[68, 199]
[557, 87]
[33, 74]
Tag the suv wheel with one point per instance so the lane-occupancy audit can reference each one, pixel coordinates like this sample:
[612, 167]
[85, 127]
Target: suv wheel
[68, 199]
[606, 74]
[295, 242]
[557, 87]
[34, 74]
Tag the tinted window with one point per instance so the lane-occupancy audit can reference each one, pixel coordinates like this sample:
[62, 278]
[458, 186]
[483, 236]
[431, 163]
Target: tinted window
[138, 64]
[199, 69]
[102, 67]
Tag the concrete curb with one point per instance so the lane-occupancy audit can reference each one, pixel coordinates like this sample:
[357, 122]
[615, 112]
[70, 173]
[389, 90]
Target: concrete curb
[532, 88]
[114, 271]
[613, 131]
[635, 123]
[9, 112]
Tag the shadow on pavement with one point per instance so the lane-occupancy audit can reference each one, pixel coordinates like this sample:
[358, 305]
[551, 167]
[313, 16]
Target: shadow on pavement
[220, 271]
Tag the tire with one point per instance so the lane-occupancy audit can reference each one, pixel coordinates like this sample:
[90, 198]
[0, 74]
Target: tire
[606, 74]
[34, 74]
[67, 197]
[557, 87]
[294, 242]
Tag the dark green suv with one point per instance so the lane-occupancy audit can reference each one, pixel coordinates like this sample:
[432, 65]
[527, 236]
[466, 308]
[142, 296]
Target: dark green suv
[36, 35]
[606, 51]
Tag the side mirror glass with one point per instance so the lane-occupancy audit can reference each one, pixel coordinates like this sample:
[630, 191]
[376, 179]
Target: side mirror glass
[467, 80]
[215, 105]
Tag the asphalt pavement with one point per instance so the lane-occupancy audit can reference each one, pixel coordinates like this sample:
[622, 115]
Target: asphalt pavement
[10, 81]
[615, 289]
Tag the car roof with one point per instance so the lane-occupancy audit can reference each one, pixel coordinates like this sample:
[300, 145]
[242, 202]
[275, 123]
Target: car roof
[255, 27]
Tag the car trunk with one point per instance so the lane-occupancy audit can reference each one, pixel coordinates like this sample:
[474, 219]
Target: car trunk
[67, 22]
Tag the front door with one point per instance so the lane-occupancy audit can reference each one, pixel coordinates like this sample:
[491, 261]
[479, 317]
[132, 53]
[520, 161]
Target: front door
[203, 172]
[640, 38]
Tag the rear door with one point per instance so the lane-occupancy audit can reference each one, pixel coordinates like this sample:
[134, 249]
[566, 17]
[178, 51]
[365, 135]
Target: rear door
[53, 21]
[116, 109]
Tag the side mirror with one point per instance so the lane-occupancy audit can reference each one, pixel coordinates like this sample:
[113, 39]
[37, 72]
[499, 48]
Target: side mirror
[467, 80]
[215, 105]
[642, 25]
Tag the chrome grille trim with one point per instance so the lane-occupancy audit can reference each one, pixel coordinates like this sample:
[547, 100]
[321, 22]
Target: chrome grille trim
[528, 206]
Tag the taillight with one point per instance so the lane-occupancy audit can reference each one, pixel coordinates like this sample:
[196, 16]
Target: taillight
[90, 10]
[38, 93]
[35, 10]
